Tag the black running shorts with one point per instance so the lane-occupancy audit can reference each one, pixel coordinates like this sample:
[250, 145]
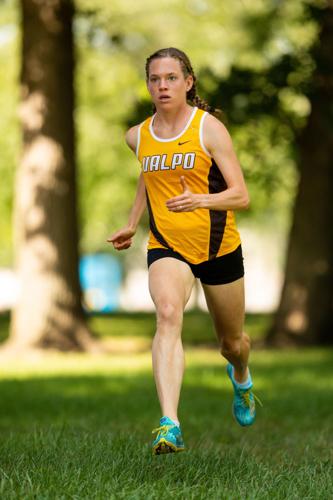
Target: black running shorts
[218, 271]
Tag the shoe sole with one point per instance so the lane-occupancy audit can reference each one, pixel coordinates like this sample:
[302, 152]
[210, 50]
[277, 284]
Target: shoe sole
[164, 447]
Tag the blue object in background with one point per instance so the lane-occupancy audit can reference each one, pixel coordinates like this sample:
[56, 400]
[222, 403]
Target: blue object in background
[100, 278]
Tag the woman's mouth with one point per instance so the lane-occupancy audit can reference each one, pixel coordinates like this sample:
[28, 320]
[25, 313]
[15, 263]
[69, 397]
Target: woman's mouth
[164, 97]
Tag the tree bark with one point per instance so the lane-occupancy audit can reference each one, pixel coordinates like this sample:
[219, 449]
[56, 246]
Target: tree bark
[305, 313]
[49, 313]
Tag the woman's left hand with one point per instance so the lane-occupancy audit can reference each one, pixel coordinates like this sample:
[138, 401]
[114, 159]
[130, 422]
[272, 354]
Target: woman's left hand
[186, 202]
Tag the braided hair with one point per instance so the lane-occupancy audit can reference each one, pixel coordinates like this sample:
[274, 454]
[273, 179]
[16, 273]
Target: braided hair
[187, 70]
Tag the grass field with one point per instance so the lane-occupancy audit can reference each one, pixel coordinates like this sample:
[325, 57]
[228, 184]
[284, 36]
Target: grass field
[197, 330]
[79, 427]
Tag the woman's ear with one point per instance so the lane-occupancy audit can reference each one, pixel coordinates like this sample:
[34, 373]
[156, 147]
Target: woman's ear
[189, 82]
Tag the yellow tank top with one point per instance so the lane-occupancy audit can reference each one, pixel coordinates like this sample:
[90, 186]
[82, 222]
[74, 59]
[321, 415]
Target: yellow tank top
[200, 235]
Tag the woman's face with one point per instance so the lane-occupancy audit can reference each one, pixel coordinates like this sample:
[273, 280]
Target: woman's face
[166, 82]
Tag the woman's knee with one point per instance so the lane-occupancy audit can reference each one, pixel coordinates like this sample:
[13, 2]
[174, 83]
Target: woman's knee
[230, 348]
[168, 313]
[233, 347]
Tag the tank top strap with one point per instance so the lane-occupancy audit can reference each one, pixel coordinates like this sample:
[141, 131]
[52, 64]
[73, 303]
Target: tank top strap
[197, 118]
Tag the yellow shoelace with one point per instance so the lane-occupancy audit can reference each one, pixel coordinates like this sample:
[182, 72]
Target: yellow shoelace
[163, 430]
[246, 397]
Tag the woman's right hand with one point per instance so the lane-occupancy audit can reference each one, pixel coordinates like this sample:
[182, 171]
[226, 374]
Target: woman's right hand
[122, 239]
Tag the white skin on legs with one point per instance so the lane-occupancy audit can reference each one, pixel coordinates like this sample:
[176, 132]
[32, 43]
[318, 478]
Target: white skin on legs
[170, 285]
[226, 306]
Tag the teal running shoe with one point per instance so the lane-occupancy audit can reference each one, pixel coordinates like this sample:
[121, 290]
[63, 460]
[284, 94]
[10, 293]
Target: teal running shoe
[169, 438]
[244, 407]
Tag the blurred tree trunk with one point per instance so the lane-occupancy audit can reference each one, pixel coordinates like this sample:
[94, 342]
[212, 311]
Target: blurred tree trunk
[305, 314]
[49, 313]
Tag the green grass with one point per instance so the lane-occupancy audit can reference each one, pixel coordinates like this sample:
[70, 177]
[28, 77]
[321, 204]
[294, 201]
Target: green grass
[198, 328]
[78, 427]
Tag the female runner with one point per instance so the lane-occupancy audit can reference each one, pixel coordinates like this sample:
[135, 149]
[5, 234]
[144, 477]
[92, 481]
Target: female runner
[191, 182]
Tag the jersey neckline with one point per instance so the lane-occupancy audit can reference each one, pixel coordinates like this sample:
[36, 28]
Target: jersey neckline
[170, 139]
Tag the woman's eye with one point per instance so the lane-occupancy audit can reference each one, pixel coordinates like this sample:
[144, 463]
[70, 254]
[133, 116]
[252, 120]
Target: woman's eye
[172, 78]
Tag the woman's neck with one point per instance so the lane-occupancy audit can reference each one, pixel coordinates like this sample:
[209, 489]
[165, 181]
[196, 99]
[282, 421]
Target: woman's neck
[170, 120]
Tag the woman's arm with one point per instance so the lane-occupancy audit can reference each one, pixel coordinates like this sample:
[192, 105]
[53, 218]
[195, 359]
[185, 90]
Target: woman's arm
[218, 143]
[140, 198]
[122, 239]
[139, 205]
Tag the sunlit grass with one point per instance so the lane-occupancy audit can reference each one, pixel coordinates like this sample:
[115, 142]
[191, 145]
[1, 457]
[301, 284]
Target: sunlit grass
[79, 426]
[197, 327]
[76, 426]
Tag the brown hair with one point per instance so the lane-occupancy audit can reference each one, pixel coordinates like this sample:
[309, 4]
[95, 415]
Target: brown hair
[187, 70]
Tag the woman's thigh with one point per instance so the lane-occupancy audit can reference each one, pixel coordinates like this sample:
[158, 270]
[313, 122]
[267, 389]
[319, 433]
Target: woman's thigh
[226, 305]
[170, 282]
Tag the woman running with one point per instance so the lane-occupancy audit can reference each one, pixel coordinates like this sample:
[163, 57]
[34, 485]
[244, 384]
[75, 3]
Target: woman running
[191, 182]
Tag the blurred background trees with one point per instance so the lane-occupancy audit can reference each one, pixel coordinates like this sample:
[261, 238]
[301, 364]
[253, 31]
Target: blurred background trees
[253, 59]
[226, 42]
[305, 313]
[49, 311]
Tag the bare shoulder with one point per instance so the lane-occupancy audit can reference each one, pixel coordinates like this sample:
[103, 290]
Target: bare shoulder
[131, 137]
[215, 133]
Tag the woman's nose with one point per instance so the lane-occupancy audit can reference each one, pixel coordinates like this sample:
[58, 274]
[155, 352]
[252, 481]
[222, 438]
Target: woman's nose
[163, 84]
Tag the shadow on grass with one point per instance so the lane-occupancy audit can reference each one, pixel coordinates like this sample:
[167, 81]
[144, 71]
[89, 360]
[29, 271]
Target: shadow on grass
[88, 436]
[294, 392]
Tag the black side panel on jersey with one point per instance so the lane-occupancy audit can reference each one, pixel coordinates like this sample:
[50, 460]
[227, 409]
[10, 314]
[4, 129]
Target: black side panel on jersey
[216, 184]
[153, 226]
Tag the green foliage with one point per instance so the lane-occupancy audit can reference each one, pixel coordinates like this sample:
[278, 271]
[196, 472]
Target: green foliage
[9, 130]
[259, 79]
[80, 427]
[113, 41]
[252, 59]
